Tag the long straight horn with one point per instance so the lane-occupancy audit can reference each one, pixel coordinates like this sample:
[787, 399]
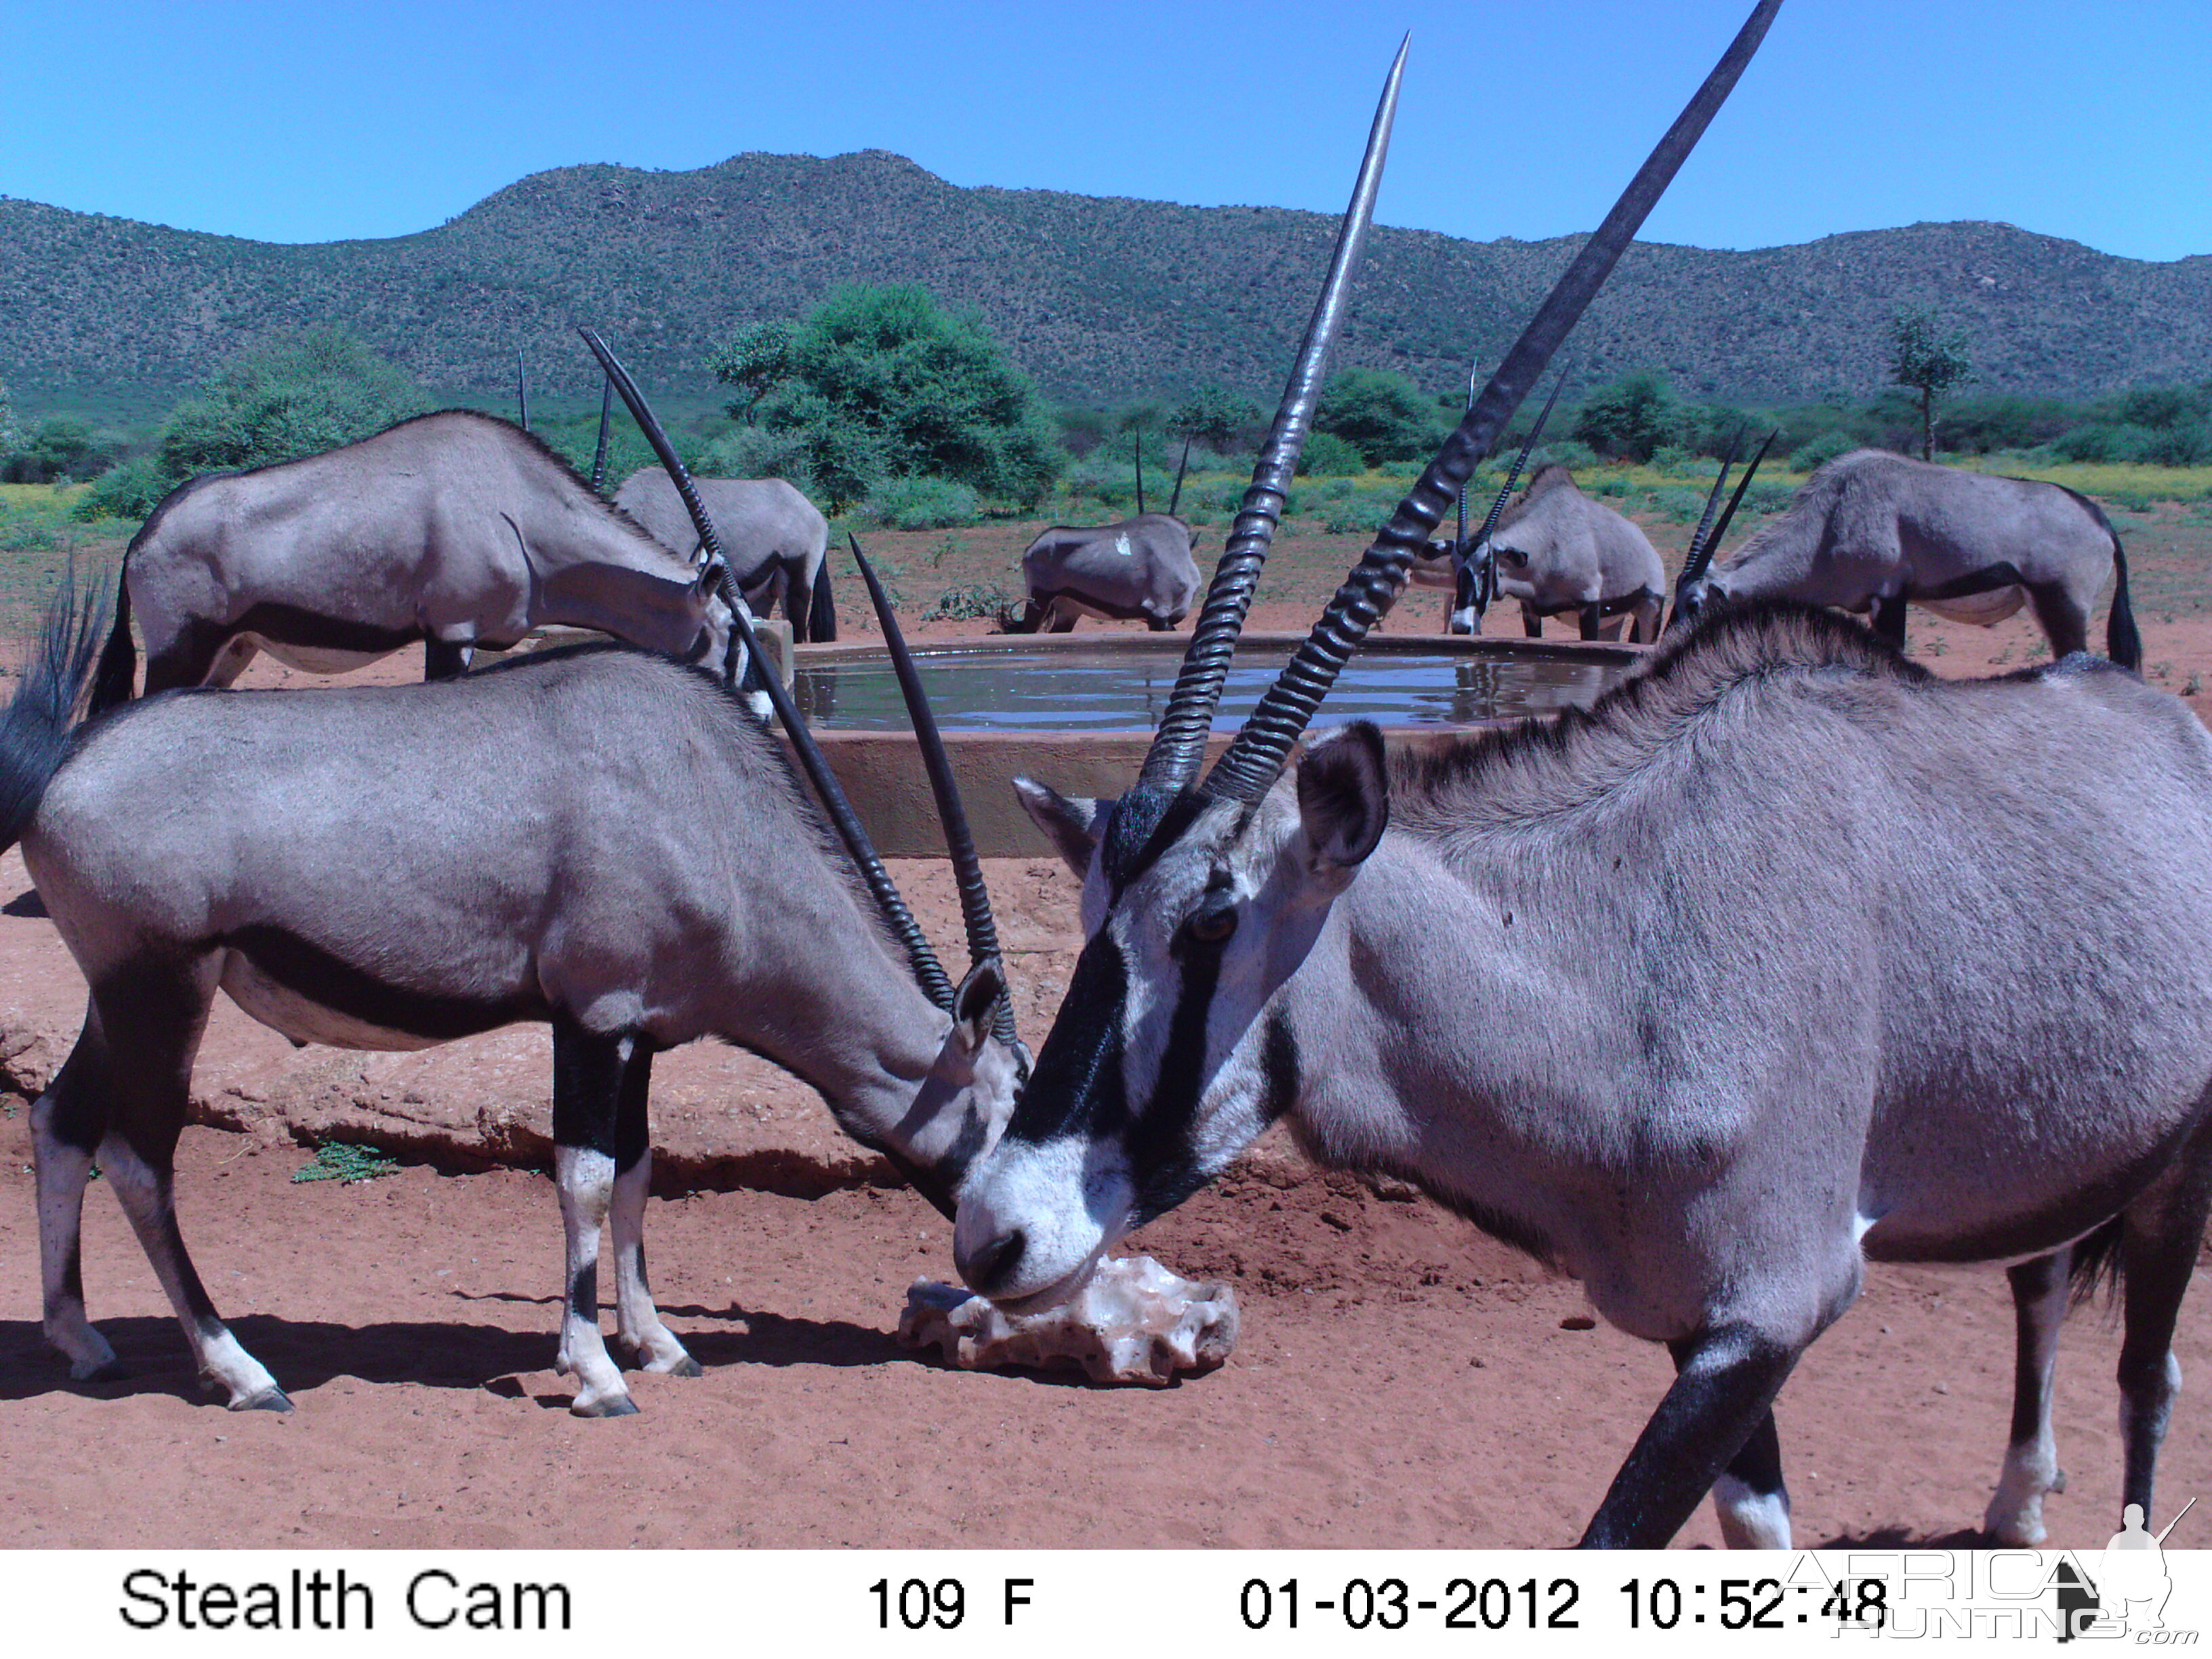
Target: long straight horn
[1181, 467]
[1472, 369]
[1488, 584]
[1263, 747]
[927, 970]
[1137, 442]
[1179, 747]
[959, 841]
[1712, 545]
[521, 390]
[1692, 567]
[600, 455]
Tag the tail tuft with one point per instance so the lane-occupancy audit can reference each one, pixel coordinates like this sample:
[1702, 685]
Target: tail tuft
[2095, 1269]
[34, 728]
[116, 681]
[2122, 644]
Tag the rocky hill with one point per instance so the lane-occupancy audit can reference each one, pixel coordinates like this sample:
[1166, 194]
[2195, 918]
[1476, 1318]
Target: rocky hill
[1099, 298]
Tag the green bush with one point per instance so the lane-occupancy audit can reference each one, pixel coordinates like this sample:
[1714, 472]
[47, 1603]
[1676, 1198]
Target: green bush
[1631, 417]
[128, 491]
[58, 450]
[923, 504]
[885, 383]
[1328, 454]
[1819, 452]
[1569, 452]
[983, 599]
[1385, 416]
[1224, 422]
[300, 396]
[753, 452]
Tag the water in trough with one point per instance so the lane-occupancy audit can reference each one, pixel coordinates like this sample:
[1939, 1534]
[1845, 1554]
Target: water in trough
[1031, 688]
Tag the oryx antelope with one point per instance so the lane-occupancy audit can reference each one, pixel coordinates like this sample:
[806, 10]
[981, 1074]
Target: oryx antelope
[774, 537]
[1870, 530]
[458, 529]
[646, 875]
[1139, 569]
[1783, 955]
[1558, 551]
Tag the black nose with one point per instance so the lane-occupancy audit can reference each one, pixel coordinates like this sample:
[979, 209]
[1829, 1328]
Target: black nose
[993, 1265]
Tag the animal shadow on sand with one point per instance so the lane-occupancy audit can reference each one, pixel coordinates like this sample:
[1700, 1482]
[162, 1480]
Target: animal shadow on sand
[1904, 1538]
[25, 903]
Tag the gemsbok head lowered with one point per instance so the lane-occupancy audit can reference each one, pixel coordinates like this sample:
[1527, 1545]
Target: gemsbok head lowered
[1200, 898]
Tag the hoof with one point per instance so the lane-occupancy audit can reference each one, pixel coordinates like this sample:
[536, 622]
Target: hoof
[268, 1399]
[614, 1404]
[2058, 1481]
[99, 1371]
[684, 1366]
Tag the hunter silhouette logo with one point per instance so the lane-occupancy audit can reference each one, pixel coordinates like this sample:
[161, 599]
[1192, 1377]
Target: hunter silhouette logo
[2131, 1584]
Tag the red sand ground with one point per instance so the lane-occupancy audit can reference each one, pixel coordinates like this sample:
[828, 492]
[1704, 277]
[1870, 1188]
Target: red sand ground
[1401, 1381]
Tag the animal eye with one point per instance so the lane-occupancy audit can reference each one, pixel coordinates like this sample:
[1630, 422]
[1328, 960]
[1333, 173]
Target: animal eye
[1215, 923]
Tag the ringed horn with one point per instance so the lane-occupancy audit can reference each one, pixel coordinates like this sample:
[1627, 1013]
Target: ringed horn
[928, 972]
[1263, 747]
[1486, 588]
[1179, 747]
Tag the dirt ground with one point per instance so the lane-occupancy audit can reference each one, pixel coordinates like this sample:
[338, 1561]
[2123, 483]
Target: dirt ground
[1401, 1382]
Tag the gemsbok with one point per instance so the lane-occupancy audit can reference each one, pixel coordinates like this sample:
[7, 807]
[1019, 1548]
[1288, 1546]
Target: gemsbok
[646, 874]
[1870, 530]
[774, 537]
[1783, 955]
[458, 529]
[1136, 569]
[1558, 551]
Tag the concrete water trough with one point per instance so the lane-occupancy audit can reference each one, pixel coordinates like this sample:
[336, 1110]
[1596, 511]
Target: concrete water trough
[1077, 711]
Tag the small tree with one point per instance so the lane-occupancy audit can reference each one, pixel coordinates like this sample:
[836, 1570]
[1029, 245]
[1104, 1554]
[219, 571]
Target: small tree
[1631, 417]
[755, 362]
[1930, 365]
[1216, 418]
[886, 383]
[298, 396]
[1384, 416]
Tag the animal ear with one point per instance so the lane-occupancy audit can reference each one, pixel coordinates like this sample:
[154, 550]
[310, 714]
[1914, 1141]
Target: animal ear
[1344, 798]
[973, 1002]
[1072, 824]
[710, 576]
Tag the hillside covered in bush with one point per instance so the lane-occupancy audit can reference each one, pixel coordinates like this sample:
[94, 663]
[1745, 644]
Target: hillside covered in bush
[1096, 299]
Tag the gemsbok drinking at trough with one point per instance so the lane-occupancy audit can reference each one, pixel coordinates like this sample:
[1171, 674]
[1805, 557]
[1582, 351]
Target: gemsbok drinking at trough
[1137, 568]
[1870, 530]
[646, 874]
[458, 529]
[774, 537]
[1782, 957]
[1558, 552]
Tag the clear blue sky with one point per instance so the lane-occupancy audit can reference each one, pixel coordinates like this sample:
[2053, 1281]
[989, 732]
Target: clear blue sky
[308, 122]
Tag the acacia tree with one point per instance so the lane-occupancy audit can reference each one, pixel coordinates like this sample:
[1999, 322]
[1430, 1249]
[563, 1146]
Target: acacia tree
[1929, 364]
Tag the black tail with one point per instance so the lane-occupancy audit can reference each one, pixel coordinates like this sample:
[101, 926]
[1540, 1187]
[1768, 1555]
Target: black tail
[822, 615]
[117, 680]
[2096, 1264]
[34, 728]
[2122, 644]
